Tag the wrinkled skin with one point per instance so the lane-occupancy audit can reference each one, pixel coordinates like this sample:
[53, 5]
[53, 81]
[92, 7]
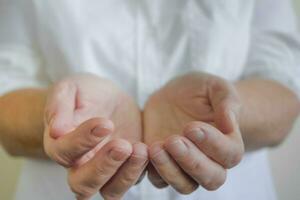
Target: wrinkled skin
[191, 126]
[94, 130]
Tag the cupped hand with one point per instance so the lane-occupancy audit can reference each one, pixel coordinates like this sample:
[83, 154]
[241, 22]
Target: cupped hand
[191, 125]
[93, 129]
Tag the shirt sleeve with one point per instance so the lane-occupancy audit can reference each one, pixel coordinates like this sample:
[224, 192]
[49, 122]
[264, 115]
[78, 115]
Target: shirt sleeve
[275, 44]
[20, 62]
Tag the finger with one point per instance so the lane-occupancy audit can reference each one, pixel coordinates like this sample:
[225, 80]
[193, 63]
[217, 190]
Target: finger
[142, 176]
[128, 174]
[227, 150]
[70, 147]
[170, 171]
[203, 170]
[60, 108]
[88, 179]
[155, 178]
[226, 104]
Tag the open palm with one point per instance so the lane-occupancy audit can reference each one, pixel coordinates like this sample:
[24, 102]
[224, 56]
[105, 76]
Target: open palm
[87, 118]
[83, 97]
[191, 126]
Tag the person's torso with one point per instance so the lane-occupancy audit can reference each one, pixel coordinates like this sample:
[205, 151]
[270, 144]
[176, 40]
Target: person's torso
[142, 44]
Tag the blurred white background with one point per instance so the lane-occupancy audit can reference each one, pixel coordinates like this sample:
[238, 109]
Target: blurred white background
[285, 163]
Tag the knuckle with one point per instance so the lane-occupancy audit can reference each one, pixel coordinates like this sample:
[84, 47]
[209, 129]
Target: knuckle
[213, 183]
[236, 158]
[100, 170]
[80, 191]
[187, 189]
[108, 195]
[87, 142]
[196, 166]
[61, 159]
[128, 179]
[103, 169]
[233, 158]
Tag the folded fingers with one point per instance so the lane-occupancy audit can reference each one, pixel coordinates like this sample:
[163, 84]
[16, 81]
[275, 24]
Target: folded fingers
[195, 163]
[128, 174]
[66, 149]
[88, 179]
[170, 172]
[227, 150]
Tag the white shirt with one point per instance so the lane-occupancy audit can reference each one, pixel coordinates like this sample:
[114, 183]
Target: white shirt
[140, 45]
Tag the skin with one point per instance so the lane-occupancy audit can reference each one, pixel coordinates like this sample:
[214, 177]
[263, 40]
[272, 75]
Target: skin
[194, 126]
[107, 142]
[85, 131]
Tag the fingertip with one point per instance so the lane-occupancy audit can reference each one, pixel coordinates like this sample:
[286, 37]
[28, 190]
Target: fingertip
[176, 146]
[140, 150]
[119, 149]
[108, 124]
[174, 139]
[155, 149]
[196, 135]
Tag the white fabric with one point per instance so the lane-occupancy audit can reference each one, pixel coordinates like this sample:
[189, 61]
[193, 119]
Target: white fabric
[141, 44]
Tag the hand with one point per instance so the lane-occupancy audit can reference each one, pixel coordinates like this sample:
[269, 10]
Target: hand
[93, 129]
[191, 125]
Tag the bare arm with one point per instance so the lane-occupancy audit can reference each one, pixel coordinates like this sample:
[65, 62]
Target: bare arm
[78, 137]
[268, 112]
[21, 122]
[270, 108]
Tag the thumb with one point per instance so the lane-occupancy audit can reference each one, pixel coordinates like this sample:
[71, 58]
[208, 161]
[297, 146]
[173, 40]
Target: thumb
[60, 109]
[226, 120]
[226, 106]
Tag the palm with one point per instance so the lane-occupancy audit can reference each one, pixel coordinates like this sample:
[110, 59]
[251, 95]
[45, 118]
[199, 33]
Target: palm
[182, 100]
[108, 102]
[93, 97]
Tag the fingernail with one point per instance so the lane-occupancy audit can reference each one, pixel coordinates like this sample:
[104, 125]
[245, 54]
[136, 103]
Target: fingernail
[196, 135]
[101, 130]
[177, 147]
[118, 155]
[160, 156]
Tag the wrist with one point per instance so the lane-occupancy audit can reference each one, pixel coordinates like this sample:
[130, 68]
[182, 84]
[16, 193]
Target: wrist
[21, 116]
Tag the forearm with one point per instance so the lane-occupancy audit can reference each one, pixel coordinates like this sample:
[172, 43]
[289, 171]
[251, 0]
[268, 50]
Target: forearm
[21, 122]
[268, 112]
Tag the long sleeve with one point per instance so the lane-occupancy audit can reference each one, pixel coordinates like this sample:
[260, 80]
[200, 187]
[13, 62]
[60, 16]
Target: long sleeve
[20, 62]
[275, 44]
